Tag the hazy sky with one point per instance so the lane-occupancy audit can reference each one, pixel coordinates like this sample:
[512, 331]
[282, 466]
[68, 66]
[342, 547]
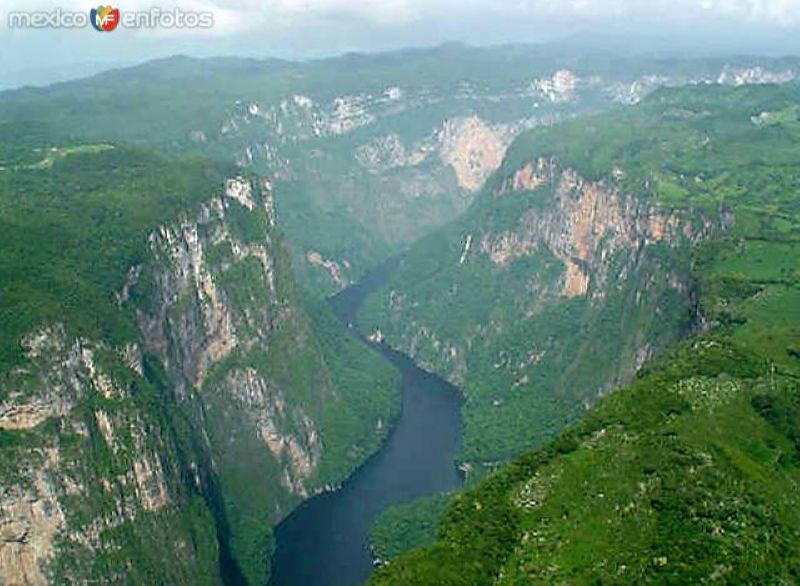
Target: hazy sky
[309, 28]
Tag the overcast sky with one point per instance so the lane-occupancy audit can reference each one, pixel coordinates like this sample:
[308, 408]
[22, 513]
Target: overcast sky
[300, 29]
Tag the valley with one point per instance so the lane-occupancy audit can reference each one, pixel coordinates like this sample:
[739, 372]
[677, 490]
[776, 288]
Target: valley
[202, 370]
[325, 541]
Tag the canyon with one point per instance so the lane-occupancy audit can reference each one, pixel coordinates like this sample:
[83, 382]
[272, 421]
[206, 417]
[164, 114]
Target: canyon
[173, 384]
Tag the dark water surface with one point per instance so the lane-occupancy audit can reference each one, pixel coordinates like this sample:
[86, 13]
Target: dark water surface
[324, 542]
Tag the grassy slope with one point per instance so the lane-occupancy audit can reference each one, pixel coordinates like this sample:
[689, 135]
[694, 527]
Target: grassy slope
[691, 472]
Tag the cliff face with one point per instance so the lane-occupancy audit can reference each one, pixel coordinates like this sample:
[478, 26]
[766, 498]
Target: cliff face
[373, 166]
[151, 450]
[217, 300]
[542, 299]
[587, 223]
[174, 395]
[666, 478]
[90, 473]
[470, 146]
[370, 153]
[194, 323]
[384, 187]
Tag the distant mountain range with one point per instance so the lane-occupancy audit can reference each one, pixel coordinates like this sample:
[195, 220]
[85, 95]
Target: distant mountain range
[172, 383]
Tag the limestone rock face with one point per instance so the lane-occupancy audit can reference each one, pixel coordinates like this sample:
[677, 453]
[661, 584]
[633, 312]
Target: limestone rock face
[48, 484]
[194, 324]
[470, 146]
[586, 223]
[289, 433]
[473, 149]
[560, 87]
[403, 160]
[544, 296]
[101, 458]
[333, 268]
[30, 520]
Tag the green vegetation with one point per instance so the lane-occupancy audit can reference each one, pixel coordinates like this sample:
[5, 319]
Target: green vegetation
[367, 388]
[328, 202]
[675, 478]
[528, 358]
[690, 472]
[176, 543]
[337, 382]
[402, 528]
[51, 155]
[709, 430]
[70, 231]
[305, 206]
[72, 225]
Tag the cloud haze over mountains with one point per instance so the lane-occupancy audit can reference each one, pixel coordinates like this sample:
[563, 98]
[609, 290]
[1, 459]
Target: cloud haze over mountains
[312, 28]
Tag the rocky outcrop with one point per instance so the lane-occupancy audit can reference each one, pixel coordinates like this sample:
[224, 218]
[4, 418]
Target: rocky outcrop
[194, 324]
[585, 224]
[44, 485]
[288, 432]
[735, 75]
[197, 339]
[64, 369]
[31, 519]
[398, 162]
[331, 266]
[470, 146]
[99, 457]
[541, 299]
[530, 176]
[31, 516]
[241, 191]
[383, 153]
[473, 149]
[299, 117]
[559, 88]
[633, 92]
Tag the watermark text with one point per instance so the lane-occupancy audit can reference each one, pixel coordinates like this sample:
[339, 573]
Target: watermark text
[105, 18]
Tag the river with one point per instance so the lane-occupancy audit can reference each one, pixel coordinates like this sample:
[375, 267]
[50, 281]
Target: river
[324, 542]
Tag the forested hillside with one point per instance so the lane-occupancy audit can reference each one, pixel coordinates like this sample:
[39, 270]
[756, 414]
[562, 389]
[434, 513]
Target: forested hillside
[166, 393]
[173, 383]
[690, 472]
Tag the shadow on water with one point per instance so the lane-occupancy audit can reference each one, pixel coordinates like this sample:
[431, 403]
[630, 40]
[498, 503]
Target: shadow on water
[325, 540]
